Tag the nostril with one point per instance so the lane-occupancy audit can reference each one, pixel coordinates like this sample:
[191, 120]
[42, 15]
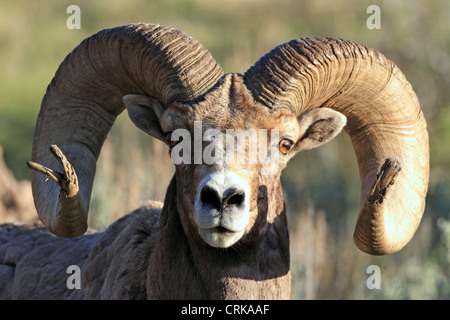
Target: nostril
[210, 196]
[234, 197]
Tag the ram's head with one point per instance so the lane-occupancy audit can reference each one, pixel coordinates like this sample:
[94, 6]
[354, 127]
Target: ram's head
[229, 151]
[296, 97]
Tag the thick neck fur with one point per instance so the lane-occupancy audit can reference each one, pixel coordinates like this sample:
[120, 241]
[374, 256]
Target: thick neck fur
[182, 268]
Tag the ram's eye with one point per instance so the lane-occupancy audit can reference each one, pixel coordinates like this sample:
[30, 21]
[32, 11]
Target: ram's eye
[285, 145]
[170, 142]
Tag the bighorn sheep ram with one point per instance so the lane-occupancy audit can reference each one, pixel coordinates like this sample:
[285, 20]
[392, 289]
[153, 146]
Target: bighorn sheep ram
[222, 230]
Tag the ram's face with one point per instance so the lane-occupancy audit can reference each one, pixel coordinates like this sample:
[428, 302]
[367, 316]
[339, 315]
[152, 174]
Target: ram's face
[229, 152]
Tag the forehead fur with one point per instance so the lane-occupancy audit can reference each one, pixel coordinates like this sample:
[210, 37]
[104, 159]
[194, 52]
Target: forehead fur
[229, 105]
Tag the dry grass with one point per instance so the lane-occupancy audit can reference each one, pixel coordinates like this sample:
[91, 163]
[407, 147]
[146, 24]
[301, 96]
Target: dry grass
[139, 164]
[16, 200]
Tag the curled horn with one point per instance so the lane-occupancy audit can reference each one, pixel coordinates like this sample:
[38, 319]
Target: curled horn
[384, 121]
[85, 97]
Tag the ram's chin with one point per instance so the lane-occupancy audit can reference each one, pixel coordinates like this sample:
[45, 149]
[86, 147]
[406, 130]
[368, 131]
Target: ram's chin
[220, 237]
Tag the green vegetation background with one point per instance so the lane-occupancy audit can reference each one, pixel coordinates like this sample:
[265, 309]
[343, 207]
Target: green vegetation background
[321, 186]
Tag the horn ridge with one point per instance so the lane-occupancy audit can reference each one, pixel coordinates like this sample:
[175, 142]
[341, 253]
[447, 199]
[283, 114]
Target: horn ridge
[85, 97]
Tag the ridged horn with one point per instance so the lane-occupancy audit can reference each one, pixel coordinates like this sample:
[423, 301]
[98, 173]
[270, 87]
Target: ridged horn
[384, 120]
[85, 97]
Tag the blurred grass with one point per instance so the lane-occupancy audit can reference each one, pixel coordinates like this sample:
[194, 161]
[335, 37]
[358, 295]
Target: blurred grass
[321, 186]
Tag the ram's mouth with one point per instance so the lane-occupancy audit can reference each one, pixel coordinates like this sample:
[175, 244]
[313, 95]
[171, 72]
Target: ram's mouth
[221, 230]
[220, 237]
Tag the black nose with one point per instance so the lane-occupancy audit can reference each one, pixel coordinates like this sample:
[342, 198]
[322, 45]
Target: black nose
[232, 197]
[210, 197]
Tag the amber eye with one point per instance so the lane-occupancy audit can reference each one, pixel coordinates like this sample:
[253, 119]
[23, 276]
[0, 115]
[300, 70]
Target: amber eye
[285, 145]
[170, 142]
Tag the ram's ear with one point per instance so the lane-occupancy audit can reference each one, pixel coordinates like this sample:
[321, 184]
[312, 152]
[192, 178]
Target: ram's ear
[145, 112]
[319, 126]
